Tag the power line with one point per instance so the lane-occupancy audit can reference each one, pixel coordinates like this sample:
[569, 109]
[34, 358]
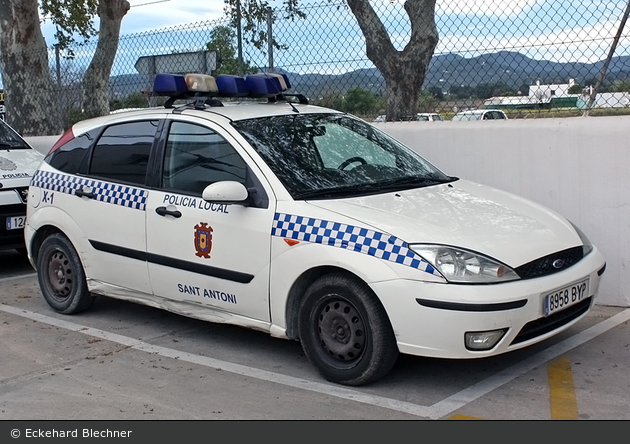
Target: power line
[150, 3]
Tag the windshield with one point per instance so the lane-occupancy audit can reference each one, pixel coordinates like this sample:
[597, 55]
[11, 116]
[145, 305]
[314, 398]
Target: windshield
[323, 156]
[468, 116]
[9, 139]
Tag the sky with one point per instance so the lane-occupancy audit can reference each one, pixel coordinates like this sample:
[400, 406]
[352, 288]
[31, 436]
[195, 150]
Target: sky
[147, 15]
[554, 30]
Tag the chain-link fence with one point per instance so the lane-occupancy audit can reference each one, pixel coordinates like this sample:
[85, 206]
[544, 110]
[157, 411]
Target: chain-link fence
[528, 58]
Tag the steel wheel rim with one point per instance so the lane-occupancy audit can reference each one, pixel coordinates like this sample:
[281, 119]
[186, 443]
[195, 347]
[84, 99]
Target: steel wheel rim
[341, 330]
[60, 275]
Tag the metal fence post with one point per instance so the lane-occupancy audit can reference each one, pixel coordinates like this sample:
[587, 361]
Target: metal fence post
[270, 38]
[611, 53]
[58, 66]
[239, 34]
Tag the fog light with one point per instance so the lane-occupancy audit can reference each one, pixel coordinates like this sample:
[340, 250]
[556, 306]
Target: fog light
[483, 340]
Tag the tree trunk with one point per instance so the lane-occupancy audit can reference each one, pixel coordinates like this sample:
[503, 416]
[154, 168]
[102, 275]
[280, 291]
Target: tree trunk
[404, 71]
[28, 85]
[96, 78]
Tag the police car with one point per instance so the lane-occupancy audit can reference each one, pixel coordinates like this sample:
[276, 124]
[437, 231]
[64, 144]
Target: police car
[303, 222]
[18, 162]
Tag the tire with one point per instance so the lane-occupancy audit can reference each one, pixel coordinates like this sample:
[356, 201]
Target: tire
[345, 331]
[61, 276]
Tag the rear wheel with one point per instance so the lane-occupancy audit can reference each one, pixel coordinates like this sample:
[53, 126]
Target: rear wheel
[61, 276]
[345, 332]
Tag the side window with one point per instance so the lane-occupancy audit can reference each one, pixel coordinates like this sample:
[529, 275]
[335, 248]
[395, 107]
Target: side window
[70, 157]
[122, 152]
[197, 156]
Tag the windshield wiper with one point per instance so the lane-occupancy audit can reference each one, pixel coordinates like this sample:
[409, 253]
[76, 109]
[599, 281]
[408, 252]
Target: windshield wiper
[344, 191]
[425, 181]
[8, 146]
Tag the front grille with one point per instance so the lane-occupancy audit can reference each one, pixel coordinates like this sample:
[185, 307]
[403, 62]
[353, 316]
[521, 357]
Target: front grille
[23, 192]
[545, 265]
[541, 326]
[12, 210]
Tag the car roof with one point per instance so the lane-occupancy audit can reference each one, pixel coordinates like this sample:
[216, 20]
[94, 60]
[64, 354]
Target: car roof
[230, 110]
[473, 111]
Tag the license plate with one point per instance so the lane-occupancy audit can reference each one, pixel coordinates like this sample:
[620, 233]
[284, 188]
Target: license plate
[16, 223]
[565, 297]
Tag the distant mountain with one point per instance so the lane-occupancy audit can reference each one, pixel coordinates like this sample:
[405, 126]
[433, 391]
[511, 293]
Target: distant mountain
[445, 70]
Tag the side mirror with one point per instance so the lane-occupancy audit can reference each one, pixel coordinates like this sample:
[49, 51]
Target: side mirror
[225, 192]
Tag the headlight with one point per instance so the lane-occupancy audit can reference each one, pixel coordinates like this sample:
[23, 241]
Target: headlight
[587, 247]
[465, 267]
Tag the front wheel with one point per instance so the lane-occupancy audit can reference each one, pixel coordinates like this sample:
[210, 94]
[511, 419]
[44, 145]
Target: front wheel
[61, 276]
[345, 332]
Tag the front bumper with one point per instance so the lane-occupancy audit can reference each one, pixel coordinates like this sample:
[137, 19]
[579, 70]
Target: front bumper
[431, 319]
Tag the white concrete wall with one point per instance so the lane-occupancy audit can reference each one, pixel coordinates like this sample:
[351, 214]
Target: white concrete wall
[43, 144]
[579, 167]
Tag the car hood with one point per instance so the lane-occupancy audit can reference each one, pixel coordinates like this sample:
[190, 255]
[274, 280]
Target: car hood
[463, 214]
[17, 166]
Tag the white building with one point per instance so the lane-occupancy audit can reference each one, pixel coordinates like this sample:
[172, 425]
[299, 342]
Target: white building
[544, 93]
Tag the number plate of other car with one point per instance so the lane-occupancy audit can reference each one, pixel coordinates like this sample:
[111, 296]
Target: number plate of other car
[565, 297]
[15, 223]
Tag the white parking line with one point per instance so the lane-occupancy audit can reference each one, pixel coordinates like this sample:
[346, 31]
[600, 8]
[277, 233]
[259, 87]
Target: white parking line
[14, 278]
[466, 396]
[436, 411]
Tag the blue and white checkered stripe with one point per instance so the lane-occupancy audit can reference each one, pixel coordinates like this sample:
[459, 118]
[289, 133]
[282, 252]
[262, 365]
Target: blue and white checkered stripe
[362, 240]
[122, 195]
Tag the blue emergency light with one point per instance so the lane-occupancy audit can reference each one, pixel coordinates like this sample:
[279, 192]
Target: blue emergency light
[201, 87]
[232, 86]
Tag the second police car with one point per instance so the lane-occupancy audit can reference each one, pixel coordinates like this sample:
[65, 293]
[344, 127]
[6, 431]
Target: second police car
[18, 163]
[303, 222]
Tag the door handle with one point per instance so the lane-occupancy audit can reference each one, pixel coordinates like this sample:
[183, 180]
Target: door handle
[81, 193]
[162, 211]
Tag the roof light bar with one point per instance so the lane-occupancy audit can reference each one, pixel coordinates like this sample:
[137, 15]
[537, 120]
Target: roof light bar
[198, 86]
[201, 83]
[232, 86]
[169, 85]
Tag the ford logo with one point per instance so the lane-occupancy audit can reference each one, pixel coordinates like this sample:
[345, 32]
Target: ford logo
[558, 263]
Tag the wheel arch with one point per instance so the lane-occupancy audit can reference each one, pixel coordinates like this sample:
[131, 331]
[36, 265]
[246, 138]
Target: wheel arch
[297, 290]
[40, 235]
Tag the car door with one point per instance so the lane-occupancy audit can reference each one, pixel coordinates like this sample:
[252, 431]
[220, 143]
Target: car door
[106, 198]
[209, 253]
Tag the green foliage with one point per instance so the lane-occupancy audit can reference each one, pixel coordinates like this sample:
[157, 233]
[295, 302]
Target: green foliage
[436, 92]
[356, 101]
[575, 89]
[427, 102]
[620, 86]
[332, 100]
[254, 18]
[72, 116]
[70, 17]
[461, 91]
[359, 101]
[223, 40]
[133, 100]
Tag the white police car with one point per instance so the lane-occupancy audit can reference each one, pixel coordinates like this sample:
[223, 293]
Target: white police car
[303, 222]
[18, 163]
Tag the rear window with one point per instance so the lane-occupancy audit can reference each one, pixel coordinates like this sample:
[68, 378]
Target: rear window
[70, 157]
[122, 152]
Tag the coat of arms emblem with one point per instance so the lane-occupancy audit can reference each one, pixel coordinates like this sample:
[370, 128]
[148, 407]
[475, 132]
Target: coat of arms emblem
[203, 240]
